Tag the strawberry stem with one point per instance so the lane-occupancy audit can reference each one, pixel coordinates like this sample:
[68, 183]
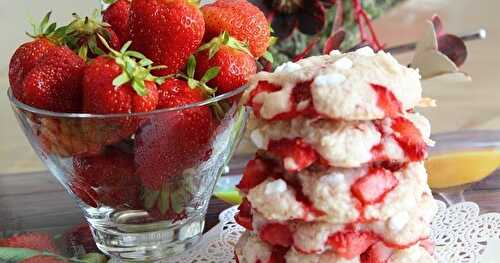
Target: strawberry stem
[136, 68]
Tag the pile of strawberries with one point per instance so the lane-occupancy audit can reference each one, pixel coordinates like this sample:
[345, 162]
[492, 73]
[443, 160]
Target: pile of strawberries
[144, 56]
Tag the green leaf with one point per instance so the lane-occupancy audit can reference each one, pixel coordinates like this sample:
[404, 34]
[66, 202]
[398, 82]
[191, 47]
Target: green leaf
[125, 47]
[93, 258]
[145, 62]
[50, 29]
[178, 198]
[121, 79]
[45, 21]
[139, 87]
[191, 66]
[163, 204]
[150, 198]
[83, 51]
[269, 57]
[135, 54]
[192, 83]
[210, 74]
[17, 254]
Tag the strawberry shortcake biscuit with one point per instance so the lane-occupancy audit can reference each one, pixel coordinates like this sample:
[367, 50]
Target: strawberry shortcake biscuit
[339, 174]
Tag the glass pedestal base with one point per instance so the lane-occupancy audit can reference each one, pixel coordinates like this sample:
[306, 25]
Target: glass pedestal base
[146, 242]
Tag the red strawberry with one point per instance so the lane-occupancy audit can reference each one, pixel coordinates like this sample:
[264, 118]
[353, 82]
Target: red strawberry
[295, 154]
[55, 82]
[44, 259]
[240, 19]
[104, 169]
[170, 144]
[276, 234]
[244, 215]
[387, 101]
[110, 86]
[256, 172]
[167, 31]
[378, 253]
[278, 255]
[117, 15]
[372, 187]
[409, 138]
[36, 241]
[85, 192]
[80, 237]
[82, 36]
[349, 244]
[27, 55]
[112, 174]
[231, 57]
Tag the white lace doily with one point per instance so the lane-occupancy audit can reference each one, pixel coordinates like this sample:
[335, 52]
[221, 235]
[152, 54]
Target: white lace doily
[460, 234]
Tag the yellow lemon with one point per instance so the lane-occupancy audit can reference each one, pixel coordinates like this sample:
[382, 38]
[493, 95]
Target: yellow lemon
[459, 168]
[231, 196]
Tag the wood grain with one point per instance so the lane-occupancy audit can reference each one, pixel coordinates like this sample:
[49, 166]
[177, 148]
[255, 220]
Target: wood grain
[37, 202]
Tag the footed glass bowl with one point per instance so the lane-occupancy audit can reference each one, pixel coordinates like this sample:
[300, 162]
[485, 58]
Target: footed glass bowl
[144, 180]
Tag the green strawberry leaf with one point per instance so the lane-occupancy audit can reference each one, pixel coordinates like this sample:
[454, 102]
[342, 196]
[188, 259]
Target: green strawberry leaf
[136, 54]
[139, 87]
[121, 79]
[109, 2]
[178, 200]
[125, 47]
[269, 57]
[191, 66]
[17, 254]
[210, 74]
[192, 83]
[93, 258]
[150, 198]
[164, 201]
[145, 62]
[83, 51]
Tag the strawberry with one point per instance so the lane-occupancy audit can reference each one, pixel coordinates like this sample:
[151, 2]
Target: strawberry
[256, 172]
[244, 215]
[44, 259]
[27, 55]
[119, 84]
[167, 31]
[409, 139]
[276, 234]
[300, 101]
[373, 187]
[350, 244]
[36, 241]
[169, 145]
[113, 175]
[278, 255]
[295, 154]
[116, 15]
[378, 253]
[82, 36]
[387, 101]
[79, 237]
[85, 192]
[242, 20]
[54, 83]
[231, 57]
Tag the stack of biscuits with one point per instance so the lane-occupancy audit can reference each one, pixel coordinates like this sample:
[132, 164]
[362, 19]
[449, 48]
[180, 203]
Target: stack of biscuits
[339, 174]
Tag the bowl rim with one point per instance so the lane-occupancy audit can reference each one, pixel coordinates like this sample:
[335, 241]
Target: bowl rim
[20, 105]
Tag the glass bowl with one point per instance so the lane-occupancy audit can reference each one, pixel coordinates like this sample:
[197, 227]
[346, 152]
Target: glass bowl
[142, 180]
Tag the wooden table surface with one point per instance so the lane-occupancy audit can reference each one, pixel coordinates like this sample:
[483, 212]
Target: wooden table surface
[37, 202]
